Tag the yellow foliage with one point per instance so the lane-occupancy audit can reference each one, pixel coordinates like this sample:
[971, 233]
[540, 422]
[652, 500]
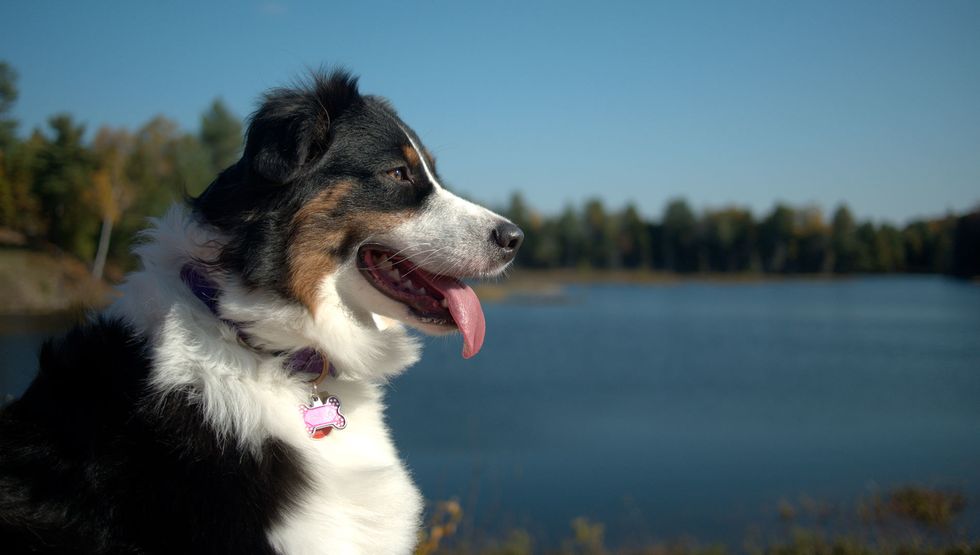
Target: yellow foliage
[443, 524]
[102, 197]
[589, 537]
[112, 192]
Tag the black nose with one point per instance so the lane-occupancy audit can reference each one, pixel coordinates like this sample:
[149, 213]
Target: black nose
[508, 237]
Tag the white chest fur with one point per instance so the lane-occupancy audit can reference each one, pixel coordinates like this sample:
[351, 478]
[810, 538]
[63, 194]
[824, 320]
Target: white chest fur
[362, 499]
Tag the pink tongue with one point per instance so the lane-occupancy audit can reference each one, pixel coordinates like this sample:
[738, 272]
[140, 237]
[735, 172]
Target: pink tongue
[467, 312]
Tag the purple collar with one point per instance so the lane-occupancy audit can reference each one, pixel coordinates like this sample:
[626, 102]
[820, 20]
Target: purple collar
[304, 361]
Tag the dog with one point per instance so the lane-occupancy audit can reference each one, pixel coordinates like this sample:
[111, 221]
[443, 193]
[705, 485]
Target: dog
[231, 398]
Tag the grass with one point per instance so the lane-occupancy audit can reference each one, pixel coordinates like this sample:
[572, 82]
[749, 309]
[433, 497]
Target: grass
[910, 520]
[925, 507]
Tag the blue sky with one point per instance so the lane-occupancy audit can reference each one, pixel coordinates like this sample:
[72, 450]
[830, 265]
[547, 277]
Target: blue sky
[872, 103]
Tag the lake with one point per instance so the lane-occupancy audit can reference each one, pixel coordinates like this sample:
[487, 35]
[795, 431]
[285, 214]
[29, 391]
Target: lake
[690, 409]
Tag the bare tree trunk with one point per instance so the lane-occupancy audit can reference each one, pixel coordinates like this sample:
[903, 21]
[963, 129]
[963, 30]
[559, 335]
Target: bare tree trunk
[103, 251]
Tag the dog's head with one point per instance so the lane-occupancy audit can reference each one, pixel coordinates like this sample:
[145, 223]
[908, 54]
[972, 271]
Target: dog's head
[336, 205]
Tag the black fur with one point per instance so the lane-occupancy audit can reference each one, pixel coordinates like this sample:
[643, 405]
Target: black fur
[92, 462]
[300, 142]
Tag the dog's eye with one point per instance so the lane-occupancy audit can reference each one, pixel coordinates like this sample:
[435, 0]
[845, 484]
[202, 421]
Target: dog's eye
[400, 174]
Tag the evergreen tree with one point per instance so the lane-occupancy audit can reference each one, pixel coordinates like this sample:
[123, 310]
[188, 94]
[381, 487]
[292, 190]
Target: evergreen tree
[152, 167]
[944, 245]
[812, 242]
[634, 240]
[522, 216]
[18, 205]
[730, 239]
[889, 249]
[600, 235]
[867, 237]
[221, 135]
[547, 245]
[966, 246]
[680, 231]
[8, 126]
[62, 181]
[571, 237]
[776, 239]
[192, 164]
[843, 240]
[8, 96]
[21, 168]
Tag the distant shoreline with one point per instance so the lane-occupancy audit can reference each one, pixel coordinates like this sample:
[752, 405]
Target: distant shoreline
[35, 283]
[546, 284]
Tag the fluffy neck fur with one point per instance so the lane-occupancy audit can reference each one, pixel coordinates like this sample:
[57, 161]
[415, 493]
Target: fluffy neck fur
[194, 350]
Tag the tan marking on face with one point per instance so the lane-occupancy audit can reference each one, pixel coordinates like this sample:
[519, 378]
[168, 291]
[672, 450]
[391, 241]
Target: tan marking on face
[411, 156]
[317, 235]
[309, 256]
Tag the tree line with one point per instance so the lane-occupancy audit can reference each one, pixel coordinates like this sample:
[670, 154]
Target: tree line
[786, 240]
[89, 197]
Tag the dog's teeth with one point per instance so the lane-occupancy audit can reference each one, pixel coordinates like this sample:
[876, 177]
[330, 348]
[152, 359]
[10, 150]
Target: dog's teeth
[422, 291]
[385, 265]
[444, 303]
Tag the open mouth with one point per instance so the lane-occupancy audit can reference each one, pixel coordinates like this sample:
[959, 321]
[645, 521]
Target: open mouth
[438, 300]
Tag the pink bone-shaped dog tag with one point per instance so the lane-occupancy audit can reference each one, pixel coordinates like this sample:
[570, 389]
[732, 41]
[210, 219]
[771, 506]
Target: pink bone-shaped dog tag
[322, 415]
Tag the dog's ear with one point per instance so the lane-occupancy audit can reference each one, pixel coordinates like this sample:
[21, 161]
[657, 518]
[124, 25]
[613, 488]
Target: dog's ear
[291, 131]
